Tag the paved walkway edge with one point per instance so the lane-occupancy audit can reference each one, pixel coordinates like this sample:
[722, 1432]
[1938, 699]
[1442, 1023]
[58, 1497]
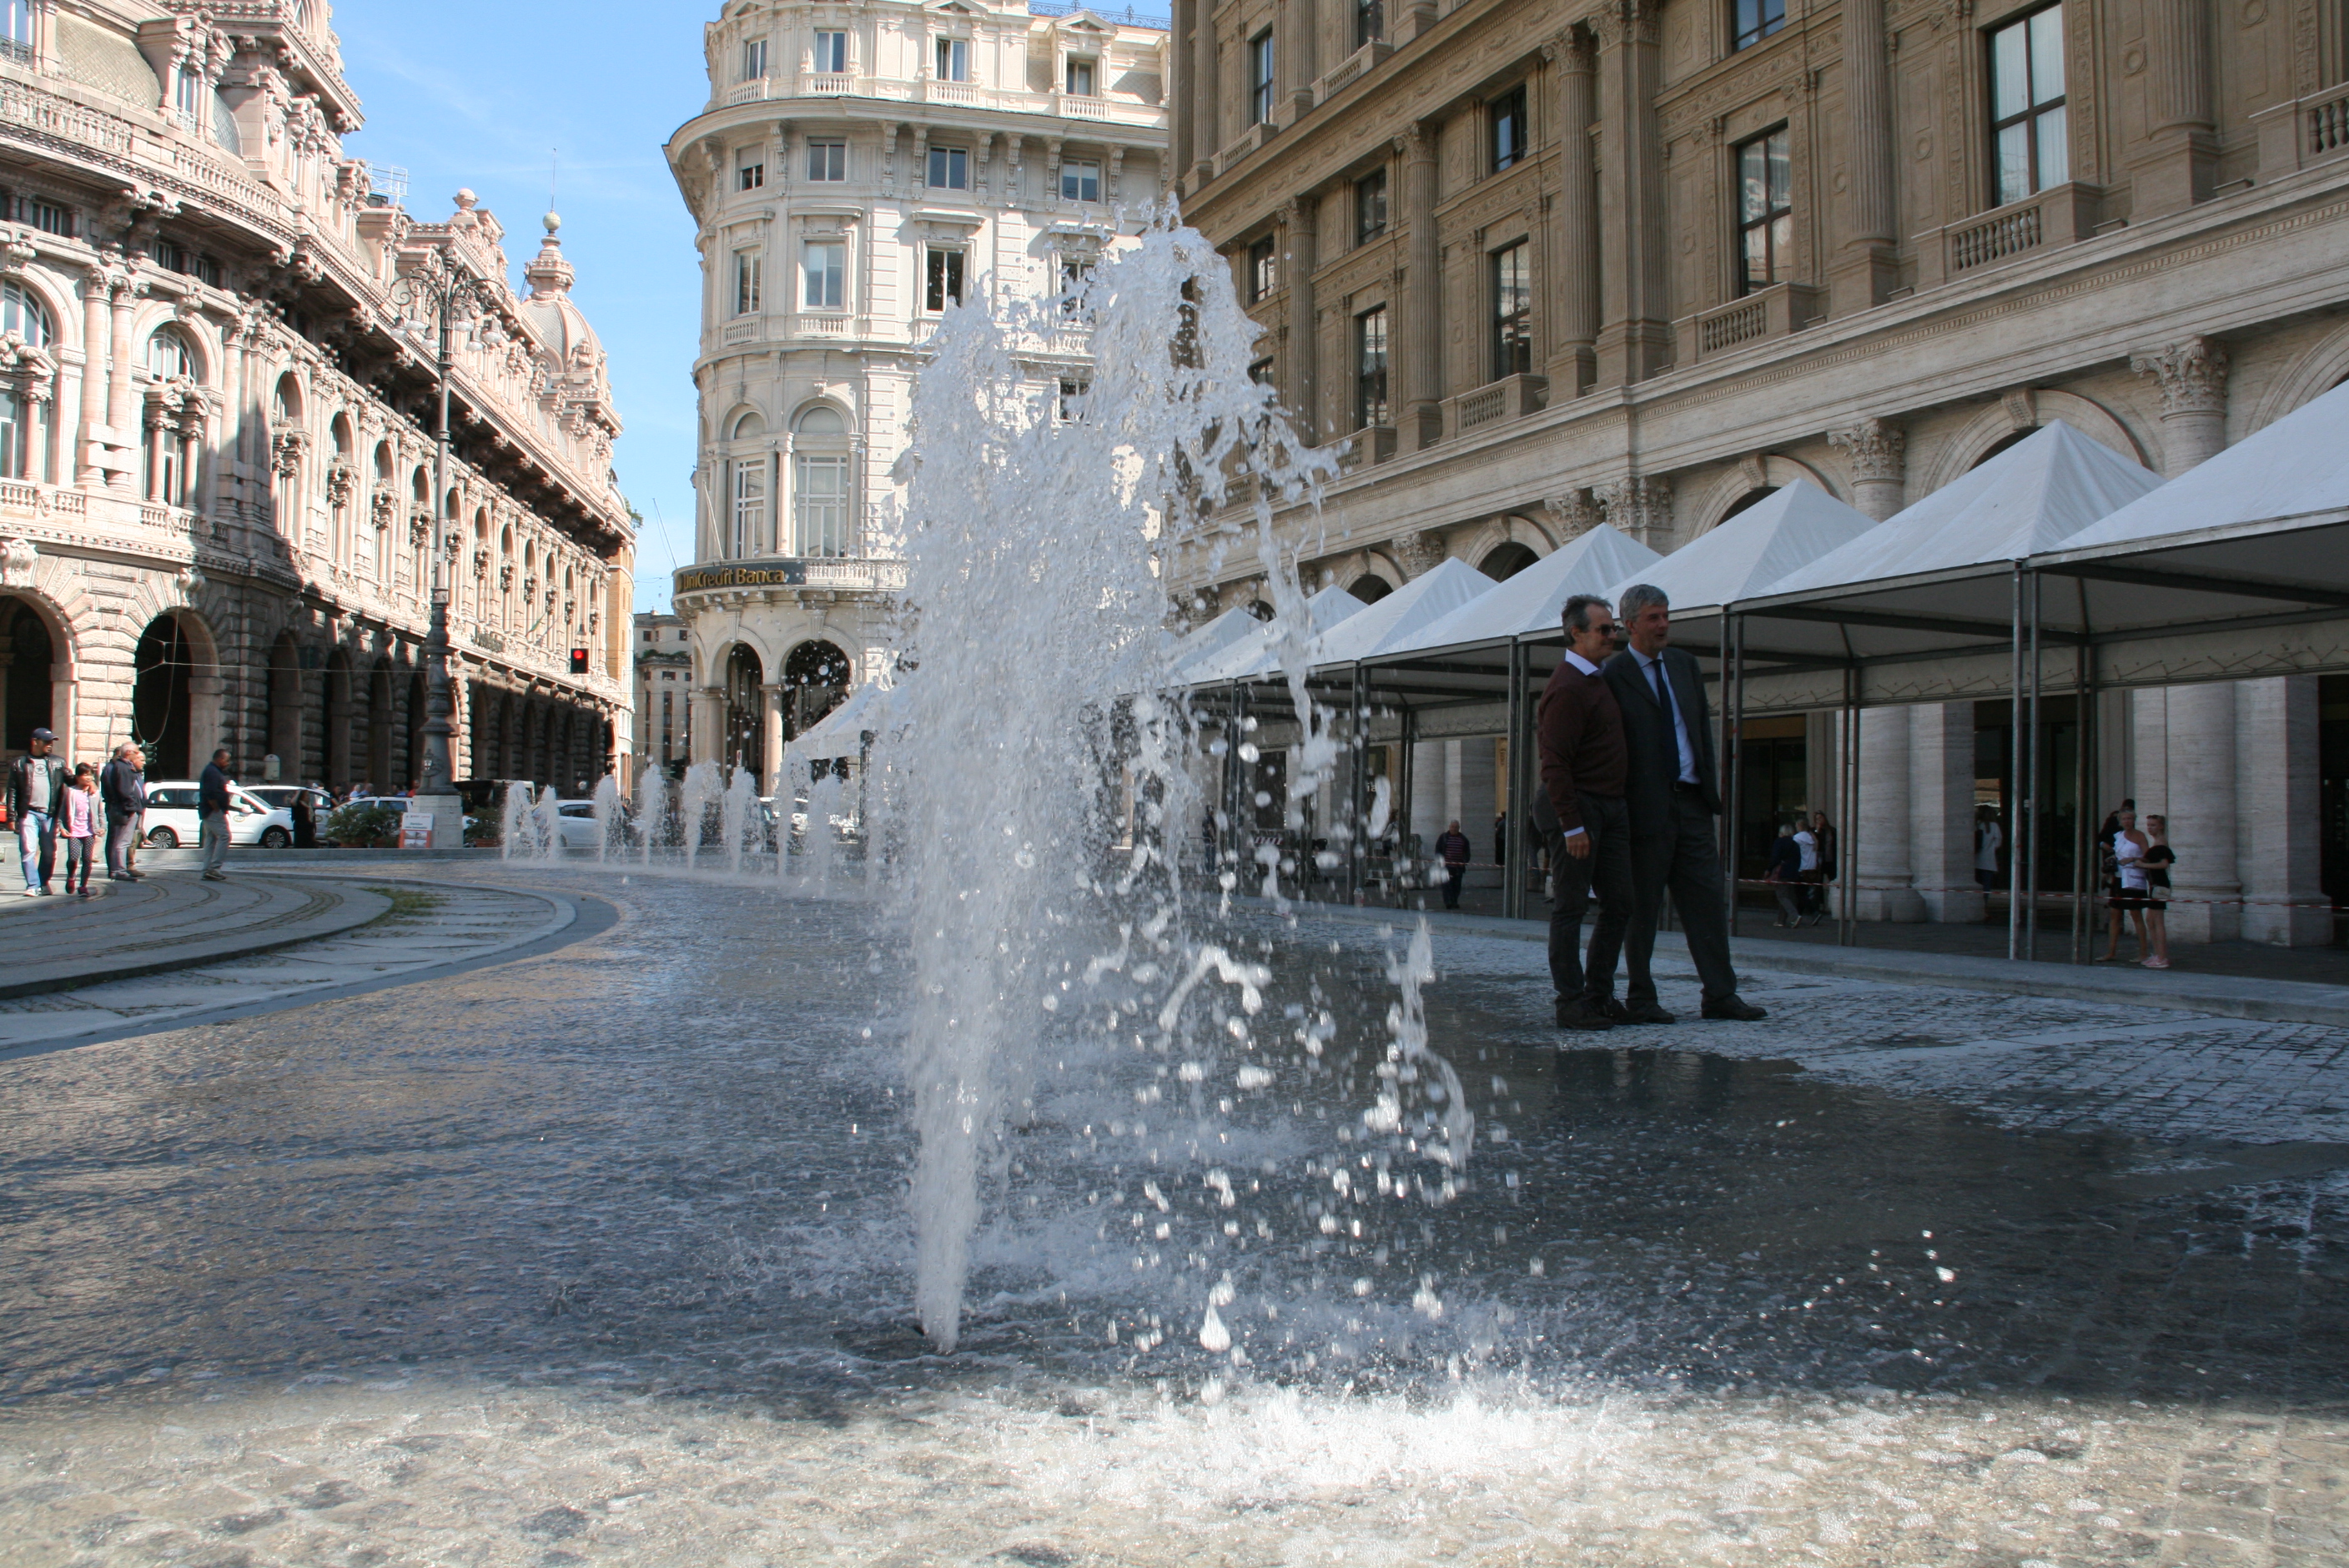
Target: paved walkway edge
[2227, 996]
[359, 906]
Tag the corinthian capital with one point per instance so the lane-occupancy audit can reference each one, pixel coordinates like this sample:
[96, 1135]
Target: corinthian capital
[2192, 376]
[1420, 554]
[1877, 450]
[1622, 22]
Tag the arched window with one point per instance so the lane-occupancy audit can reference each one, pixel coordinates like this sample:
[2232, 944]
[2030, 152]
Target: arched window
[746, 490]
[820, 483]
[168, 356]
[286, 405]
[748, 428]
[25, 315]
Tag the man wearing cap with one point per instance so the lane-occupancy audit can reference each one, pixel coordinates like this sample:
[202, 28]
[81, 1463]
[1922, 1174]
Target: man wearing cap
[37, 784]
[212, 807]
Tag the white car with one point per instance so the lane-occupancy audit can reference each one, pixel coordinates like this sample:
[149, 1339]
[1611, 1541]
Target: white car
[580, 831]
[173, 819]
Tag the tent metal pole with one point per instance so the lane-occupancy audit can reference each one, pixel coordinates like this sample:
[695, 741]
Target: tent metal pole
[2084, 701]
[2038, 726]
[2014, 831]
[1732, 742]
[1513, 852]
[1847, 920]
[1406, 783]
[1358, 810]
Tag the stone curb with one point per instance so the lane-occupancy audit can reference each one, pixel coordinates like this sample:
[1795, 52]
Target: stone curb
[2226, 995]
[353, 907]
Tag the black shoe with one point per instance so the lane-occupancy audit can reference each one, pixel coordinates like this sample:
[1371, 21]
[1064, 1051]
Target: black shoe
[1610, 1007]
[1648, 1013]
[1579, 1014]
[1735, 1008]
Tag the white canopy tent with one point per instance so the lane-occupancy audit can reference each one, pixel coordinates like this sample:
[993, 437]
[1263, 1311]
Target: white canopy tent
[1400, 619]
[1530, 603]
[1203, 642]
[1250, 655]
[868, 709]
[1785, 532]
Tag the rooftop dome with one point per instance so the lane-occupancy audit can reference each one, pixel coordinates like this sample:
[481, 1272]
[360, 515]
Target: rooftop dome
[558, 324]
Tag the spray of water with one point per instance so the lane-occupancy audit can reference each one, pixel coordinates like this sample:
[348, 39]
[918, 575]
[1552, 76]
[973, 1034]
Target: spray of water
[1036, 792]
[740, 816]
[704, 787]
[609, 822]
[652, 811]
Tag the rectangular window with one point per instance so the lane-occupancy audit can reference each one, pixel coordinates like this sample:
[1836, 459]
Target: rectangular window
[16, 31]
[669, 723]
[827, 274]
[14, 445]
[1260, 79]
[831, 54]
[1263, 269]
[953, 59]
[1370, 21]
[50, 218]
[944, 282]
[1076, 275]
[1505, 115]
[1371, 368]
[827, 160]
[746, 282]
[1081, 78]
[1370, 206]
[749, 170]
[1766, 212]
[188, 97]
[1751, 21]
[1080, 181]
[1072, 399]
[950, 169]
[822, 506]
[2029, 141]
[749, 506]
[1261, 372]
[754, 59]
[1513, 312]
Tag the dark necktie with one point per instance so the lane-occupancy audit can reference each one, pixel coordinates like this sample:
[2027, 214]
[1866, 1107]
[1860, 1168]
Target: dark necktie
[1663, 696]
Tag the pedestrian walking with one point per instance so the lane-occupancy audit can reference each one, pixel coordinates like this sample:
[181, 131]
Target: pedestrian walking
[2156, 860]
[122, 790]
[1989, 839]
[1807, 867]
[2125, 887]
[1824, 832]
[1578, 737]
[36, 787]
[1673, 792]
[1453, 848]
[305, 820]
[78, 823]
[1784, 875]
[213, 804]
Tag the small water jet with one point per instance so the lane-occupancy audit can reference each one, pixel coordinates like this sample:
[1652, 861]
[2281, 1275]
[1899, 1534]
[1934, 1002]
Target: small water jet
[652, 811]
[739, 817]
[611, 820]
[704, 787]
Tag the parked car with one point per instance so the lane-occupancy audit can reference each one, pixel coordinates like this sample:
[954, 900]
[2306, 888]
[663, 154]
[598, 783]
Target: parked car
[173, 819]
[276, 795]
[580, 829]
[398, 804]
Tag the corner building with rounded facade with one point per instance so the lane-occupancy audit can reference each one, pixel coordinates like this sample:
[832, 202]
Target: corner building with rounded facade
[216, 464]
[858, 169]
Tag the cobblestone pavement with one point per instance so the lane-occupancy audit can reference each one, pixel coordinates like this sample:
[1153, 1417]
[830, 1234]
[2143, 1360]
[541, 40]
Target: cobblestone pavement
[420, 928]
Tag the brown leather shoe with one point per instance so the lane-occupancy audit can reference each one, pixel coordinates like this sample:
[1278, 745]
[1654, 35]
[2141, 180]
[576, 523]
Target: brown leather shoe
[1577, 1013]
[1648, 1013]
[1734, 1008]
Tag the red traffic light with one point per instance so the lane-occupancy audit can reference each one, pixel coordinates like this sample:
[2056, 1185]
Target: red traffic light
[579, 661]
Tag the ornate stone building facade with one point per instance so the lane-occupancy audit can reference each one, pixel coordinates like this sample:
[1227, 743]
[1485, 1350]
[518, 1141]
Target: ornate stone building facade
[1535, 264]
[216, 503]
[857, 171]
[664, 675]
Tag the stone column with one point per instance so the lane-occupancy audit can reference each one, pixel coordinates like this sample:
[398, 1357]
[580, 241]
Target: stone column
[708, 743]
[1886, 882]
[1879, 455]
[1420, 554]
[1206, 130]
[1635, 340]
[1941, 810]
[771, 767]
[2176, 169]
[94, 292]
[2280, 833]
[1421, 357]
[1578, 219]
[1301, 217]
[1868, 266]
[2200, 791]
[1298, 63]
[2192, 376]
[1181, 106]
[117, 380]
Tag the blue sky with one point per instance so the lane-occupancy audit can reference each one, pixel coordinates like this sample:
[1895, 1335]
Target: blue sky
[479, 95]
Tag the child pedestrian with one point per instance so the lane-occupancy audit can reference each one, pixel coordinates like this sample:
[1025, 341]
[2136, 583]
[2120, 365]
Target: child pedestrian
[80, 826]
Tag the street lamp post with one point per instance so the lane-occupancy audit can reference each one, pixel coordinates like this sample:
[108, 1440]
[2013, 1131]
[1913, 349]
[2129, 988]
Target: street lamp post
[439, 292]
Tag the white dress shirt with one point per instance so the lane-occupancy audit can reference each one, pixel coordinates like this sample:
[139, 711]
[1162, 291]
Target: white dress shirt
[1649, 670]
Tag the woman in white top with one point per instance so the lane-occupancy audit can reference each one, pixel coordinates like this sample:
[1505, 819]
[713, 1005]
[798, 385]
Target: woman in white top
[2128, 886]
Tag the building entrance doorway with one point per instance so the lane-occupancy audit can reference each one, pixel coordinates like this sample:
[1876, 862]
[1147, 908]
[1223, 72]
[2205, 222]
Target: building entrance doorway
[746, 711]
[26, 689]
[160, 696]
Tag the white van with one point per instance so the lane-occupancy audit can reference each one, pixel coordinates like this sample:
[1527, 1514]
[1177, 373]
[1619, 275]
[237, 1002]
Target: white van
[173, 819]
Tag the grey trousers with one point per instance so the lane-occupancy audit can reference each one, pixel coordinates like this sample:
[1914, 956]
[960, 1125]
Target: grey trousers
[213, 835]
[121, 835]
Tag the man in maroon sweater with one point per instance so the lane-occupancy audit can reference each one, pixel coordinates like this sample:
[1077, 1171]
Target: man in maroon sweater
[1578, 730]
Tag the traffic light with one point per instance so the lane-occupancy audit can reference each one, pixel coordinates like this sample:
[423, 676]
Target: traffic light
[579, 661]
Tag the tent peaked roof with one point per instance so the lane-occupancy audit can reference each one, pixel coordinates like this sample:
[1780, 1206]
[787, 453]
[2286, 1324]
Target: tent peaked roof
[1397, 619]
[2296, 467]
[2031, 496]
[1214, 637]
[841, 732]
[1746, 554]
[1533, 600]
[1251, 654]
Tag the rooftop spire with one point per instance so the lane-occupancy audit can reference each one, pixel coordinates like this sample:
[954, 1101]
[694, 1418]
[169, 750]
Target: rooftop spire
[549, 274]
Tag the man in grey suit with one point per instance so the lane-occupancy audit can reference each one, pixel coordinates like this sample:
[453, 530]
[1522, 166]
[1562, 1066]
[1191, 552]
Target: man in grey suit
[1674, 794]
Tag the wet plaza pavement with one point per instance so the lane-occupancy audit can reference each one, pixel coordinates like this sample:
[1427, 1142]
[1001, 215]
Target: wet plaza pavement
[601, 1256]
